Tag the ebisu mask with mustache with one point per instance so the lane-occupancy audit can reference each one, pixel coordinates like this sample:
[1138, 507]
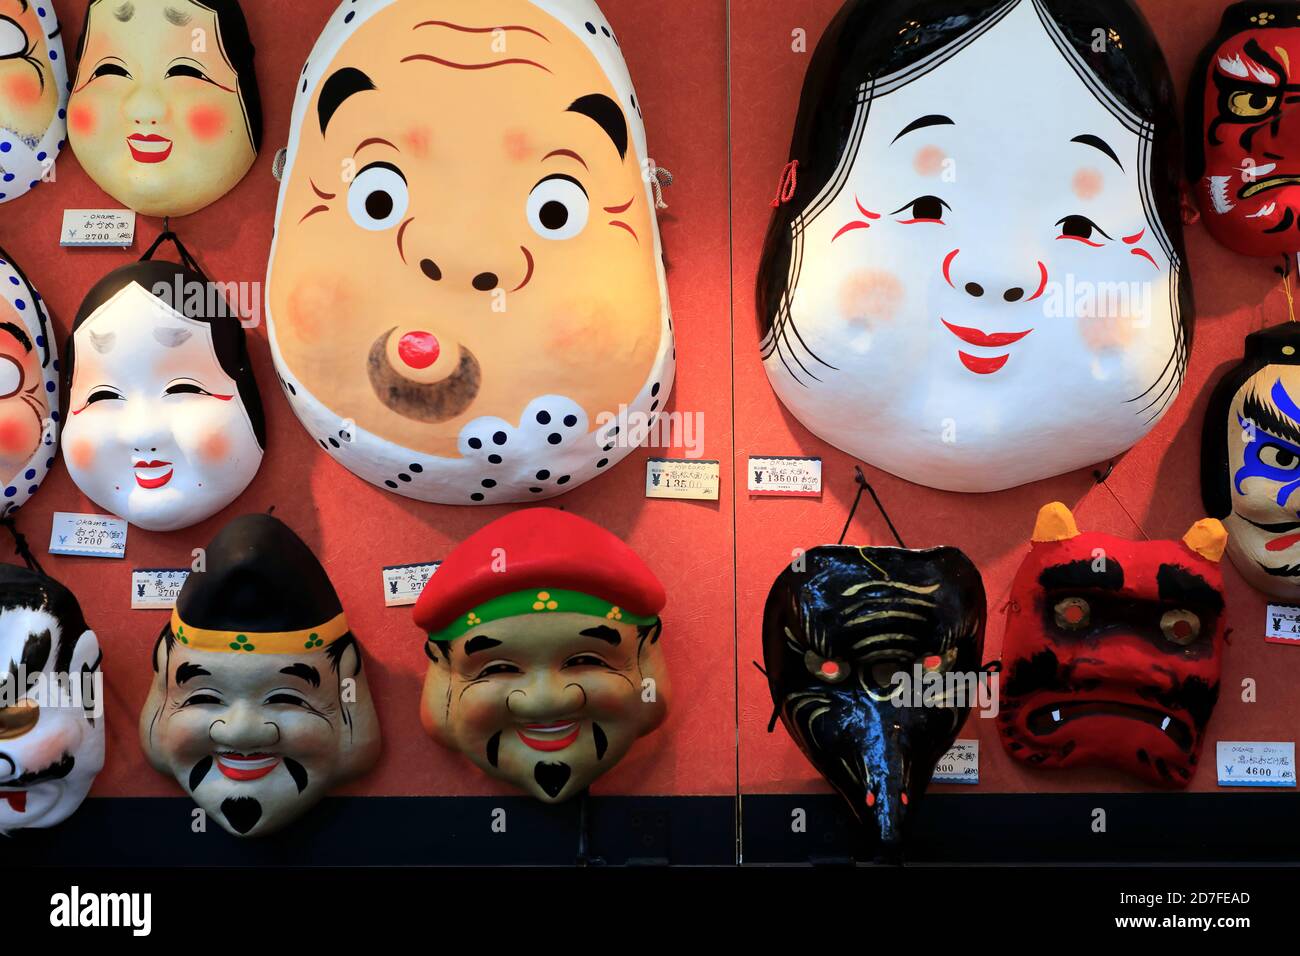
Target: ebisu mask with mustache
[259, 705]
[1243, 130]
[33, 94]
[165, 114]
[165, 425]
[29, 388]
[466, 296]
[51, 726]
[837, 630]
[958, 301]
[1250, 461]
[1112, 650]
[545, 663]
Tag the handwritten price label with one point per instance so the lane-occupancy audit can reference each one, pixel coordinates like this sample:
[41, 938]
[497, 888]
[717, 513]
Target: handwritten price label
[98, 227]
[1282, 625]
[683, 478]
[95, 536]
[403, 583]
[785, 477]
[1254, 764]
[961, 764]
[154, 589]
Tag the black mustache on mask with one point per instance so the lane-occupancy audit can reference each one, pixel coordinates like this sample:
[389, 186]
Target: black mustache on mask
[55, 771]
[835, 634]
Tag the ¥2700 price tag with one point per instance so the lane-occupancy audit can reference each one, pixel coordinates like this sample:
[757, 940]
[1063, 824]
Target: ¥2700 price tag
[403, 583]
[93, 536]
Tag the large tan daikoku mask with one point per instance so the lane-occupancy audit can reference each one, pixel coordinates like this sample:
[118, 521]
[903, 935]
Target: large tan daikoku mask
[259, 704]
[165, 114]
[467, 271]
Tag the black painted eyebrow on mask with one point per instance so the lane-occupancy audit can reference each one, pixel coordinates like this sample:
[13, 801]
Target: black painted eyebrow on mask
[934, 119]
[606, 114]
[19, 333]
[1182, 587]
[342, 84]
[603, 633]
[1079, 574]
[480, 643]
[1096, 142]
[304, 672]
[1267, 420]
[187, 672]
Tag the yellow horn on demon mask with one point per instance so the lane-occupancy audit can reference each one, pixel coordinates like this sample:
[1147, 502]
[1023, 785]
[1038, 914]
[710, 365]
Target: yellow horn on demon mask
[466, 295]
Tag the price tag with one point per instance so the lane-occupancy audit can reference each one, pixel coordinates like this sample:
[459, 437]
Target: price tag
[95, 536]
[154, 589]
[98, 227]
[683, 478]
[1282, 625]
[1253, 764]
[403, 583]
[961, 764]
[785, 477]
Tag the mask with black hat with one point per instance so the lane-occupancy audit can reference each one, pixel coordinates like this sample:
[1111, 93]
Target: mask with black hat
[1250, 461]
[259, 704]
[545, 663]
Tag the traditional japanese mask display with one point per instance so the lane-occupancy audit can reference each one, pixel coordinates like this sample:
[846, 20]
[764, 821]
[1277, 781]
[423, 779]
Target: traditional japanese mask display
[1112, 650]
[29, 389]
[476, 312]
[33, 94]
[51, 718]
[961, 304]
[1243, 130]
[1250, 465]
[545, 663]
[837, 634]
[165, 424]
[259, 705]
[165, 114]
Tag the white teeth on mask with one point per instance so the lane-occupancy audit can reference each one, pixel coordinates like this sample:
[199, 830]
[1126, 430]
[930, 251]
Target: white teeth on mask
[1164, 724]
[1219, 194]
[1265, 212]
[1258, 171]
[1056, 716]
[557, 730]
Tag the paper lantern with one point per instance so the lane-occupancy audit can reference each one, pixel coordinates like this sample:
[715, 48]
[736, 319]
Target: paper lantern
[466, 297]
[977, 279]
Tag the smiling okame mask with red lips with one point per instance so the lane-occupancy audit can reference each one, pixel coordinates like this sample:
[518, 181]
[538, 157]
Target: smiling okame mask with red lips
[1250, 461]
[29, 394]
[165, 424]
[1113, 650]
[978, 280]
[259, 704]
[466, 295]
[545, 663]
[1243, 130]
[33, 94]
[165, 114]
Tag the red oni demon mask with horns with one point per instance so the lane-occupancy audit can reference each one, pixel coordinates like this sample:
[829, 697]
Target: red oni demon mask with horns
[1112, 650]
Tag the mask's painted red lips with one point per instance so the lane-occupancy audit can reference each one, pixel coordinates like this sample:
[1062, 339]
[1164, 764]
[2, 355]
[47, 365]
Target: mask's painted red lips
[552, 736]
[245, 767]
[149, 147]
[17, 800]
[984, 340]
[153, 474]
[1283, 543]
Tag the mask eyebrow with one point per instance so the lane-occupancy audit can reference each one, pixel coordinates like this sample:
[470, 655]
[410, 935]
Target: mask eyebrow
[18, 333]
[476, 645]
[125, 12]
[177, 17]
[934, 119]
[1179, 586]
[171, 338]
[603, 633]
[1096, 142]
[187, 672]
[1079, 574]
[606, 114]
[304, 672]
[1269, 420]
[341, 85]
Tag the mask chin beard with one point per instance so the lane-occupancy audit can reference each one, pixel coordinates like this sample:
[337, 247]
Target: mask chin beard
[552, 778]
[430, 403]
[242, 813]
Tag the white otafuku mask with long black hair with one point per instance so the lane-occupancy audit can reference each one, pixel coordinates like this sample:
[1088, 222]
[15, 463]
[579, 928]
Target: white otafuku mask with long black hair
[978, 282]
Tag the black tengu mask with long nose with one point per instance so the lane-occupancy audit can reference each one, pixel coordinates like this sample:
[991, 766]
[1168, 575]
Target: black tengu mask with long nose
[839, 635]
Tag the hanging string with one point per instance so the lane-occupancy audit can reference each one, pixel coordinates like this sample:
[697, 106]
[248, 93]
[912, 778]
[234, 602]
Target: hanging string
[863, 485]
[1286, 287]
[660, 179]
[21, 547]
[186, 258]
[789, 183]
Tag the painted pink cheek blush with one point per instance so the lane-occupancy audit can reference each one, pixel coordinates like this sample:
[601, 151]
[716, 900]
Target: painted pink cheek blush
[207, 122]
[1088, 184]
[83, 454]
[82, 120]
[215, 446]
[15, 435]
[25, 90]
[868, 297]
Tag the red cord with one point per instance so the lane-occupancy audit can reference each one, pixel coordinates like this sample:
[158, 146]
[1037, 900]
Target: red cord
[789, 183]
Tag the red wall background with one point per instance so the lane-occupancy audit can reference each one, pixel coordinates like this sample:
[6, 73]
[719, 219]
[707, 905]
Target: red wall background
[357, 529]
[1154, 490]
[717, 560]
